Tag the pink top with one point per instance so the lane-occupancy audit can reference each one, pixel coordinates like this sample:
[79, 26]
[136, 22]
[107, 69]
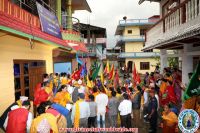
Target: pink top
[53, 112]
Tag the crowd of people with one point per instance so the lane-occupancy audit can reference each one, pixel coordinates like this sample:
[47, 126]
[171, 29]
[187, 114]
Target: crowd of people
[62, 102]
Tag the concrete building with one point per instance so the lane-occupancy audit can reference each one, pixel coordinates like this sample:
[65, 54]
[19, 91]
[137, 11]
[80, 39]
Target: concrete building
[179, 30]
[26, 50]
[131, 40]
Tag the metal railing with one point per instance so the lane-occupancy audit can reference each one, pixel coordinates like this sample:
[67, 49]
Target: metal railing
[75, 22]
[132, 38]
[138, 54]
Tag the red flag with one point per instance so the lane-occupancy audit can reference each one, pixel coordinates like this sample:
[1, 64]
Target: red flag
[76, 74]
[138, 80]
[134, 73]
[111, 74]
[116, 81]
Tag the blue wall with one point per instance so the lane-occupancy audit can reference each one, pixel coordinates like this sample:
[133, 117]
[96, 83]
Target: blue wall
[63, 67]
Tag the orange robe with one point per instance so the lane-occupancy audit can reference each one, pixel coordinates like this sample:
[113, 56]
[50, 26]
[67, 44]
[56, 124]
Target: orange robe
[62, 98]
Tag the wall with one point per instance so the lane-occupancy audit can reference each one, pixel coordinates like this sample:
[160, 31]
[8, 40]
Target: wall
[135, 30]
[137, 64]
[133, 46]
[12, 47]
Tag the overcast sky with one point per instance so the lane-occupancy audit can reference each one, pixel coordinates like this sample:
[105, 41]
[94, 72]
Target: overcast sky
[107, 13]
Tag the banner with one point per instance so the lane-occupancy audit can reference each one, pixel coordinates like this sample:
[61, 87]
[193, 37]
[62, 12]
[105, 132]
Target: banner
[49, 21]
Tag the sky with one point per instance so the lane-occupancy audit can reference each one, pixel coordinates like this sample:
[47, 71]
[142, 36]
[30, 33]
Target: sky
[107, 13]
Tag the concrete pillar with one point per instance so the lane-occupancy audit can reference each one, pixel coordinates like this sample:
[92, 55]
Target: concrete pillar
[58, 9]
[163, 59]
[69, 14]
[187, 64]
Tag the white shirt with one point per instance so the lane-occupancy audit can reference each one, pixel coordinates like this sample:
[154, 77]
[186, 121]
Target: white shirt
[125, 107]
[156, 95]
[102, 101]
[146, 97]
[28, 123]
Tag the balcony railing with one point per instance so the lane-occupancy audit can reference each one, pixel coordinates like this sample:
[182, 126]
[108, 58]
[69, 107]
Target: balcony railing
[75, 22]
[183, 18]
[132, 38]
[137, 21]
[96, 40]
[138, 55]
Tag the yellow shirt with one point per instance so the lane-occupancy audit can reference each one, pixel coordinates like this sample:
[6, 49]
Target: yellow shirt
[170, 118]
[62, 98]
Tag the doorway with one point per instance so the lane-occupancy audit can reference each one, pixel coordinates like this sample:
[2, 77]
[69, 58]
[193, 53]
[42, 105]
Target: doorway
[27, 74]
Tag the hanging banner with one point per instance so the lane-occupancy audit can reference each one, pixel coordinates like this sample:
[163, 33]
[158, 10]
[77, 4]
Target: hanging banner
[49, 21]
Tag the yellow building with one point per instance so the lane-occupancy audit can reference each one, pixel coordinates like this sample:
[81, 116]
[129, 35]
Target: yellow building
[131, 34]
[26, 51]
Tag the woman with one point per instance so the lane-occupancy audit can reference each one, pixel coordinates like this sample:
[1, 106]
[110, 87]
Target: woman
[62, 97]
[170, 120]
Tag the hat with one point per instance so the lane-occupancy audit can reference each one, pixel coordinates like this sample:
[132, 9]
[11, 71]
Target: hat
[75, 84]
[81, 95]
[23, 98]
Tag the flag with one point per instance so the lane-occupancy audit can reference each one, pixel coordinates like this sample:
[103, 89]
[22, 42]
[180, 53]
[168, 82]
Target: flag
[79, 60]
[84, 71]
[193, 88]
[116, 81]
[76, 74]
[134, 73]
[111, 74]
[89, 83]
[102, 78]
[95, 72]
[107, 68]
[138, 80]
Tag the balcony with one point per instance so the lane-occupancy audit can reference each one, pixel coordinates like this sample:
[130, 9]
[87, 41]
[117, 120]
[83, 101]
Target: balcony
[138, 55]
[132, 38]
[173, 29]
[96, 41]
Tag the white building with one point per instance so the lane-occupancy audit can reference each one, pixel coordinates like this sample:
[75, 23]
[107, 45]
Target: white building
[178, 29]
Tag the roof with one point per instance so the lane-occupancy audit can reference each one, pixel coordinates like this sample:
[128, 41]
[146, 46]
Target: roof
[81, 5]
[141, 1]
[9, 22]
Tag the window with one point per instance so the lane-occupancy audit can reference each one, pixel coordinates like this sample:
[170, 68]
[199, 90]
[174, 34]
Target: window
[144, 65]
[130, 64]
[129, 31]
[142, 32]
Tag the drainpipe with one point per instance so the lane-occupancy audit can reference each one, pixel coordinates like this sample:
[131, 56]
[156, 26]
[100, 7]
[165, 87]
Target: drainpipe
[69, 14]
[58, 13]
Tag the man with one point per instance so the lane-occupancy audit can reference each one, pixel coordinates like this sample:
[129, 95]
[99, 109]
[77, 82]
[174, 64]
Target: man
[75, 92]
[113, 104]
[152, 112]
[136, 100]
[102, 101]
[93, 112]
[125, 108]
[19, 119]
[80, 112]
[4, 115]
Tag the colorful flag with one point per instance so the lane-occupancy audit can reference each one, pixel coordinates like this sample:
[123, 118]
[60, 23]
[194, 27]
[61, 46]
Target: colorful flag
[138, 80]
[95, 73]
[76, 74]
[134, 73]
[107, 68]
[112, 73]
[84, 71]
[79, 60]
[193, 88]
[116, 81]
[89, 83]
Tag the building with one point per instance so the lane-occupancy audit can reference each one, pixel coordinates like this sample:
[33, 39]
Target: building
[95, 41]
[27, 49]
[179, 30]
[131, 39]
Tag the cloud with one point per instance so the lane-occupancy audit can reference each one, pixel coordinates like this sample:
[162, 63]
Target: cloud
[107, 13]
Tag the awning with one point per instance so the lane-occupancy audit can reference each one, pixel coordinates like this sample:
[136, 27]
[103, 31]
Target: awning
[81, 5]
[78, 46]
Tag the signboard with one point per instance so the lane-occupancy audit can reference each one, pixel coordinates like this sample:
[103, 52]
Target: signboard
[49, 22]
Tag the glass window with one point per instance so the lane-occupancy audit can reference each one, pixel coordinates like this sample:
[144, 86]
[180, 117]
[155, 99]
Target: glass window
[26, 81]
[17, 84]
[16, 69]
[25, 68]
[129, 31]
[144, 65]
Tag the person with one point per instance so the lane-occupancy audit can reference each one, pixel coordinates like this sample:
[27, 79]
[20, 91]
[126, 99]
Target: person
[19, 119]
[5, 113]
[170, 120]
[62, 96]
[44, 122]
[80, 112]
[136, 100]
[93, 112]
[102, 101]
[125, 109]
[95, 91]
[152, 112]
[113, 104]
[75, 92]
